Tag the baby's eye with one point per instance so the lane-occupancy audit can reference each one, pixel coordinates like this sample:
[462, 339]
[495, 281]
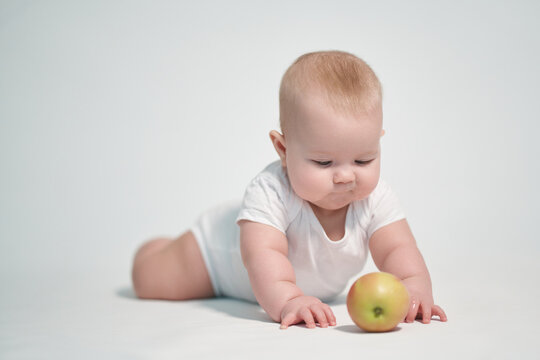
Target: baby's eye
[322, 163]
[363, 162]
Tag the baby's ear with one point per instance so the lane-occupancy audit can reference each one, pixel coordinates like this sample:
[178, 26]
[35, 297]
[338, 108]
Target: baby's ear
[278, 140]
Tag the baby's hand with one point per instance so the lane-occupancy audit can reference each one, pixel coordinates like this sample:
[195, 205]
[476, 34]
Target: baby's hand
[308, 309]
[421, 306]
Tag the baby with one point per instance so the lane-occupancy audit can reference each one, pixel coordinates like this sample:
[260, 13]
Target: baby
[308, 221]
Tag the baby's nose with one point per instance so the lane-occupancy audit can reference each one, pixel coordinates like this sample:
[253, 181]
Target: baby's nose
[343, 176]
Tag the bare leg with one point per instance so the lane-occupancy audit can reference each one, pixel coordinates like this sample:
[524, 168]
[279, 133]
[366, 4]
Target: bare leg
[171, 269]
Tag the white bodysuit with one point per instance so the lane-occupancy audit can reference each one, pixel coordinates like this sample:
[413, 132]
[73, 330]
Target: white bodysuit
[322, 267]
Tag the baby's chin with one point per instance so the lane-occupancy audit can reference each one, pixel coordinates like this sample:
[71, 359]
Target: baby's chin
[329, 205]
[337, 201]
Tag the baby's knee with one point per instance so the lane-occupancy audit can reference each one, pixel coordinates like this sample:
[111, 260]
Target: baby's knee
[142, 270]
[150, 247]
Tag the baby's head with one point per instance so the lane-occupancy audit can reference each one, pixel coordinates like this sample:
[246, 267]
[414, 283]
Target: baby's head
[343, 81]
[331, 123]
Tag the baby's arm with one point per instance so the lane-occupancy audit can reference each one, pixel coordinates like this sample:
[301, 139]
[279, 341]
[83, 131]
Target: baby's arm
[394, 250]
[264, 253]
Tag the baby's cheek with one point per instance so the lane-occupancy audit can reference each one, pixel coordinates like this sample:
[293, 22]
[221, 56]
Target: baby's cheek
[305, 184]
[373, 180]
[368, 182]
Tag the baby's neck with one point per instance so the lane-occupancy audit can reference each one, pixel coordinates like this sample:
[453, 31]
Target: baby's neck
[332, 221]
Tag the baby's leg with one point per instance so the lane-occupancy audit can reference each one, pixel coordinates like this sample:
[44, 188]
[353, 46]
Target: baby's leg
[171, 269]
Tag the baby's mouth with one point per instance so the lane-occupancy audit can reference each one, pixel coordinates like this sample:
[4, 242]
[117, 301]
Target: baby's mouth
[345, 190]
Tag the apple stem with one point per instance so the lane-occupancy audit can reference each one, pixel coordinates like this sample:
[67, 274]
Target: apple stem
[378, 311]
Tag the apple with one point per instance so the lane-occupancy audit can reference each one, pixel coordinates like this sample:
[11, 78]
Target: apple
[377, 302]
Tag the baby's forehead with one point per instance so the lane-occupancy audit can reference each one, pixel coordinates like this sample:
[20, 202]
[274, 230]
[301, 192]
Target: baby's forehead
[340, 138]
[358, 150]
[315, 111]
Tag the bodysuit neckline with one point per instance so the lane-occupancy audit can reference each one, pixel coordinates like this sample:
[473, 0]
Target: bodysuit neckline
[314, 220]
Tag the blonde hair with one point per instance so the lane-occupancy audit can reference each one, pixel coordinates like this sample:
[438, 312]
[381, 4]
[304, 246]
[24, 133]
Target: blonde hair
[346, 82]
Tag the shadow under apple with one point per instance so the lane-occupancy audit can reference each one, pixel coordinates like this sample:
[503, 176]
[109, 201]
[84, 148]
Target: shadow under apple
[353, 329]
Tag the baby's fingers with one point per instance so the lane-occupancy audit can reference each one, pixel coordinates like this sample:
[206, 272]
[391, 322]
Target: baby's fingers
[320, 315]
[329, 315]
[287, 320]
[303, 314]
[426, 314]
[413, 310]
[307, 316]
[437, 311]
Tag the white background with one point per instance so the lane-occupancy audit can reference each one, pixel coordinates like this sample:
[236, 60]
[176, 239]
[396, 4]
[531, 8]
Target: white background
[124, 120]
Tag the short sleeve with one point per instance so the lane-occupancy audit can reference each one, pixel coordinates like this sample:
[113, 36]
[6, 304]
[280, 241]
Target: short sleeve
[265, 202]
[385, 208]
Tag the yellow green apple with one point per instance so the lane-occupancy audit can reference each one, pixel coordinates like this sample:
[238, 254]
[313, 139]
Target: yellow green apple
[378, 302]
